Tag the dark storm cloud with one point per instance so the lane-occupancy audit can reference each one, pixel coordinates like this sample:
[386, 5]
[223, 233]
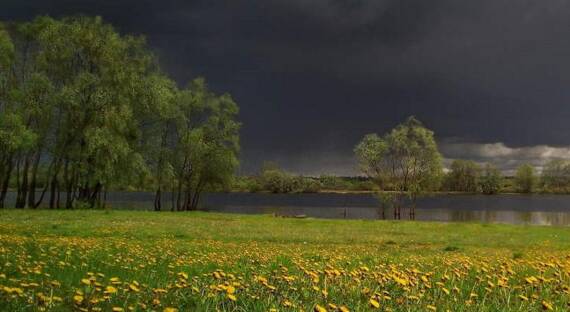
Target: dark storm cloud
[312, 77]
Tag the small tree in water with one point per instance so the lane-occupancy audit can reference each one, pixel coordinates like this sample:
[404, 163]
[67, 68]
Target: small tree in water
[405, 160]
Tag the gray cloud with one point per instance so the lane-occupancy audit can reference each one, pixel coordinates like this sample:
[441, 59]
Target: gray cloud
[504, 157]
[341, 162]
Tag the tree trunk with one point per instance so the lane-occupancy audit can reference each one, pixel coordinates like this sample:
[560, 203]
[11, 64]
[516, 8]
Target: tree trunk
[18, 184]
[68, 186]
[57, 204]
[157, 199]
[195, 200]
[105, 198]
[53, 188]
[178, 206]
[93, 197]
[6, 180]
[33, 182]
[54, 182]
[172, 199]
[39, 202]
[413, 208]
[25, 176]
[187, 199]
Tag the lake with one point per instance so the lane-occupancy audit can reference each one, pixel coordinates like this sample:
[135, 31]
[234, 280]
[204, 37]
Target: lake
[512, 209]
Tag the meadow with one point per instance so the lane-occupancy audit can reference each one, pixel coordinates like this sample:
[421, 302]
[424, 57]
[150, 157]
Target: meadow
[144, 261]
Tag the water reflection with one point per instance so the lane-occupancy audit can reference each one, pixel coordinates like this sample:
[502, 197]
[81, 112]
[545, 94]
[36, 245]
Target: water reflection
[443, 215]
[513, 209]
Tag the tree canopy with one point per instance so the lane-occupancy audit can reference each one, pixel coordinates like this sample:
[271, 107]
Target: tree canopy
[406, 159]
[92, 108]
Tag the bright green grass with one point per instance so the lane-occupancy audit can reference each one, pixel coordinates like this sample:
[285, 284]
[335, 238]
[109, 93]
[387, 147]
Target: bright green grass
[369, 257]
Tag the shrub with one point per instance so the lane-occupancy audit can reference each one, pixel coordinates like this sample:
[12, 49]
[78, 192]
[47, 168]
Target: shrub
[309, 185]
[277, 181]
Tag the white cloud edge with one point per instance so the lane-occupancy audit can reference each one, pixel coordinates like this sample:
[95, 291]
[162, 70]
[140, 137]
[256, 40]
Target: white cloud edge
[506, 158]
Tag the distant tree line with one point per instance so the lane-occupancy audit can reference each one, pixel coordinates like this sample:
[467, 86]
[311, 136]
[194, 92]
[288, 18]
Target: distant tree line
[273, 179]
[84, 110]
[468, 176]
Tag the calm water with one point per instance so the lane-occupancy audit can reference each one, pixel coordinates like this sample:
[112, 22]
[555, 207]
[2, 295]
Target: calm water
[514, 209]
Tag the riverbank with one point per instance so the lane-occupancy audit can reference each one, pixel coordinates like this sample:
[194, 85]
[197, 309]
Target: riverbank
[203, 261]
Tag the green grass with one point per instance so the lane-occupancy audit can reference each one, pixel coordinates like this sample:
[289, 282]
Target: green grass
[195, 261]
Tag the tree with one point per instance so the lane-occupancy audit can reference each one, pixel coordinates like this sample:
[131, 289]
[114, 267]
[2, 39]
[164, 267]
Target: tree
[99, 75]
[206, 143]
[491, 180]
[406, 158]
[22, 91]
[463, 176]
[8, 121]
[84, 109]
[157, 118]
[525, 178]
[556, 176]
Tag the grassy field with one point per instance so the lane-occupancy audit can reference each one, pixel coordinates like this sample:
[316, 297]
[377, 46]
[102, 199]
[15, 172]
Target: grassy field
[144, 261]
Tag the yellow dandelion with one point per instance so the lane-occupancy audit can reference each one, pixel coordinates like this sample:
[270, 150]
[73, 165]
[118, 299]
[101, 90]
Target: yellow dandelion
[78, 299]
[546, 305]
[374, 303]
[318, 308]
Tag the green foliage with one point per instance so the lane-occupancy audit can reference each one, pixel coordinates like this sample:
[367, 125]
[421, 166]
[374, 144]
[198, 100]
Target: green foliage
[206, 142]
[406, 158]
[6, 52]
[246, 184]
[463, 176]
[374, 158]
[330, 182]
[277, 181]
[525, 178]
[556, 176]
[307, 185]
[491, 180]
[94, 105]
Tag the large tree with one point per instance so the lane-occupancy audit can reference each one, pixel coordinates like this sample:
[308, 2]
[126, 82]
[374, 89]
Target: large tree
[406, 159]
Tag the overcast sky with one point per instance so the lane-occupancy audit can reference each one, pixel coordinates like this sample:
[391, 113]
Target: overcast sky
[490, 77]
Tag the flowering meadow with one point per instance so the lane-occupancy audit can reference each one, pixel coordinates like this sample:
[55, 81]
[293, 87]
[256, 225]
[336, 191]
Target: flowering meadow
[144, 261]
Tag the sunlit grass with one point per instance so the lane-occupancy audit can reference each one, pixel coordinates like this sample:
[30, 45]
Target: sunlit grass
[120, 261]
